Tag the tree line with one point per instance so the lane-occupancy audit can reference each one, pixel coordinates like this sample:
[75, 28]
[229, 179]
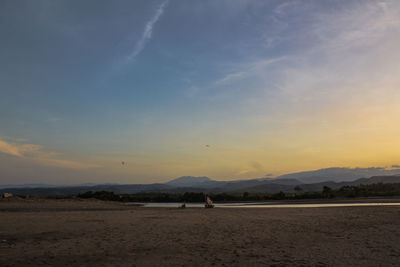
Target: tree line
[371, 190]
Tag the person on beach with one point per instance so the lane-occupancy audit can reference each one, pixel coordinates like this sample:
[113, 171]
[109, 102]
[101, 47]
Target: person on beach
[209, 203]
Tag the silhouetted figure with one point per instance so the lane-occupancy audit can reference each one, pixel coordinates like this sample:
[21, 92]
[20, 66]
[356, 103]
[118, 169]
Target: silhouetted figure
[209, 203]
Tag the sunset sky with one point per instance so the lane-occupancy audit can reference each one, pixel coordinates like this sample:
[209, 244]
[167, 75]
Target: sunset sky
[229, 89]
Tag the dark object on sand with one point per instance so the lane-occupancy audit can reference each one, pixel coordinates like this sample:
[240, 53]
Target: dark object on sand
[182, 206]
[209, 203]
[6, 195]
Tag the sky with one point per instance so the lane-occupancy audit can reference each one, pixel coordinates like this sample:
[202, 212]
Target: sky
[226, 89]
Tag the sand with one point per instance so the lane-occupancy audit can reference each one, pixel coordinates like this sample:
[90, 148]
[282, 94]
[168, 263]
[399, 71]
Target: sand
[96, 233]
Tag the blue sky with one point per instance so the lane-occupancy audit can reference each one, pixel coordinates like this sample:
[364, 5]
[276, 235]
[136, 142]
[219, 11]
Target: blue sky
[270, 86]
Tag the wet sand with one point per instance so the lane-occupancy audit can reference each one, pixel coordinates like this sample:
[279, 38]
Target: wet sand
[96, 233]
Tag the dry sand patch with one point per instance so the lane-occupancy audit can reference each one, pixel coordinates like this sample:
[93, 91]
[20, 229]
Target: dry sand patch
[111, 234]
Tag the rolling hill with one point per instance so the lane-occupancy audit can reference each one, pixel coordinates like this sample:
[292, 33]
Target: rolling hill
[308, 181]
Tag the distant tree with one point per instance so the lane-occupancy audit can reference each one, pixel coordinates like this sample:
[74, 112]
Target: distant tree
[378, 189]
[280, 195]
[327, 191]
[298, 188]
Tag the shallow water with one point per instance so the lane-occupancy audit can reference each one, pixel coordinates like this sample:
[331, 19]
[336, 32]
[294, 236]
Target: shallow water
[268, 205]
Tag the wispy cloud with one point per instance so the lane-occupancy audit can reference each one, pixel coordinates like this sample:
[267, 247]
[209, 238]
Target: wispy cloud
[245, 70]
[253, 167]
[147, 33]
[350, 51]
[36, 154]
[18, 150]
[355, 29]
[350, 56]
[280, 10]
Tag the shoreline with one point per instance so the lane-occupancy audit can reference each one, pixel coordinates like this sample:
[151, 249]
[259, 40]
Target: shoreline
[295, 201]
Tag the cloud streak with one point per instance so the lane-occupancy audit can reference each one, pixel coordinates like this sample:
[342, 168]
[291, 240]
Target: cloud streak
[17, 150]
[246, 70]
[253, 167]
[36, 154]
[147, 33]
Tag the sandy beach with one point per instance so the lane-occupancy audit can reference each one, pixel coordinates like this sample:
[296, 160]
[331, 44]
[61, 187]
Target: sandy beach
[96, 233]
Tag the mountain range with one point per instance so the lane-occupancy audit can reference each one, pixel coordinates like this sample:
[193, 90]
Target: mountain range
[308, 181]
[337, 174]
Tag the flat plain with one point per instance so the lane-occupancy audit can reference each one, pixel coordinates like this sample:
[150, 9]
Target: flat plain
[97, 233]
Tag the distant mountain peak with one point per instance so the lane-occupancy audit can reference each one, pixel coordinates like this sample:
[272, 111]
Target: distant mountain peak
[339, 174]
[190, 181]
